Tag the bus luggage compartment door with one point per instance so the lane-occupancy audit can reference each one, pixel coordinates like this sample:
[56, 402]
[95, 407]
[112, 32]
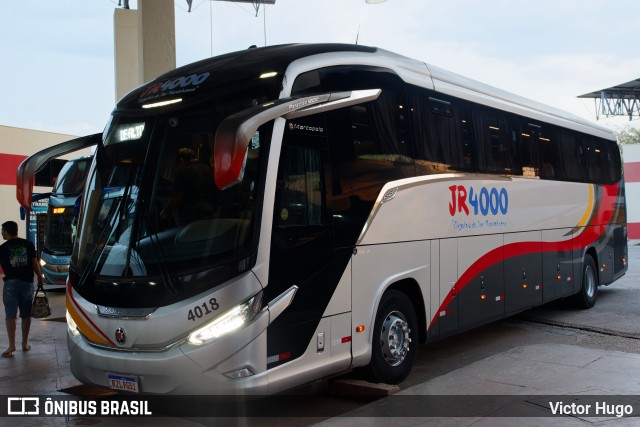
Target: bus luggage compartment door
[481, 281]
[523, 272]
[557, 264]
[447, 317]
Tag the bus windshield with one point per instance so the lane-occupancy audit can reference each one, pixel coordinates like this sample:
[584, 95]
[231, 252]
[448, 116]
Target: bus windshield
[153, 220]
[60, 230]
[72, 177]
[58, 238]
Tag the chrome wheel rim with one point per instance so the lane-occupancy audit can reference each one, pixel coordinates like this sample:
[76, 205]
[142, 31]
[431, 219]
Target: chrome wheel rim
[395, 338]
[589, 282]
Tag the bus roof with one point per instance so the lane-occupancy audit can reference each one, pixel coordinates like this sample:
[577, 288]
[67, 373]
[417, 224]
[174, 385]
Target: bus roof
[195, 79]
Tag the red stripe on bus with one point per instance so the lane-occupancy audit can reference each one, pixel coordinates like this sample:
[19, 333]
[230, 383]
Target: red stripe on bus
[632, 172]
[633, 230]
[9, 163]
[590, 234]
[75, 303]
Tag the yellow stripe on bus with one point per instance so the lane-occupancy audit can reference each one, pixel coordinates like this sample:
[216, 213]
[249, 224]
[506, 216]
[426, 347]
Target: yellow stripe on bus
[85, 329]
[587, 214]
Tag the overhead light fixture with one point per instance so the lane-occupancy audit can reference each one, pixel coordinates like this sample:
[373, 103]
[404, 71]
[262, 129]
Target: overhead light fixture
[375, 1]
[268, 75]
[162, 103]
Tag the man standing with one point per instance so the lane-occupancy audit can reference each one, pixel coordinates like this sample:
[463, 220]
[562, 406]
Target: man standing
[19, 263]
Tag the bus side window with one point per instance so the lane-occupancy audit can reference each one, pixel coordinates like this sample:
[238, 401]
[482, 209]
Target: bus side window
[495, 142]
[441, 133]
[612, 161]
[366, 152]
[599, 161]
[299, 188]
[549, 153]
[529, 149]
[572, 155]
[302, 238]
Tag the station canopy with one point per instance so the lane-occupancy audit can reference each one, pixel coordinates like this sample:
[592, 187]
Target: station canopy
[256, 3]
[620, 100]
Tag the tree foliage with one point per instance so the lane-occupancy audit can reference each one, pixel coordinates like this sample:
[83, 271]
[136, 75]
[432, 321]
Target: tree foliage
[628, 135]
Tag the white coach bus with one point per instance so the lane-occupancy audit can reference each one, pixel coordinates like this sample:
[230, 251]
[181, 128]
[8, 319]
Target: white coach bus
[337, 206]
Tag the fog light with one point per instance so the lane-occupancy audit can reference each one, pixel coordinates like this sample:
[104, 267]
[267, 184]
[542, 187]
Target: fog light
[240, 373]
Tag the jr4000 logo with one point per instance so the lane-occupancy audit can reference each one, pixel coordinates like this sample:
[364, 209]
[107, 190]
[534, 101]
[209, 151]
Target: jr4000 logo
[174, 86]
[485, 201]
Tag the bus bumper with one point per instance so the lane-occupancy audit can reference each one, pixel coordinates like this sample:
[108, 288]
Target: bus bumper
[183, 369]
[55, 270]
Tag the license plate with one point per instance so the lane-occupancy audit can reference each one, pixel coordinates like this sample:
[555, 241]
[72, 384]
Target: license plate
[124, 382]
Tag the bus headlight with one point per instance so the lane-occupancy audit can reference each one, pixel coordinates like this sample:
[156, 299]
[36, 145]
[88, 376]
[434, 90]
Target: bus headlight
[73, 328]
[230, 321]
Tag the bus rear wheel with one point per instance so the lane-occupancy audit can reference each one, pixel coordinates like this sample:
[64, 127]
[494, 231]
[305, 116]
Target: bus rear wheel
[395, 339]
[586, 297]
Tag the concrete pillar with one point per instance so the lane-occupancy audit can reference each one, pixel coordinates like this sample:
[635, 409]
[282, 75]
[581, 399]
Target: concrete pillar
[157, 37]
[128, 60]
[145, 43]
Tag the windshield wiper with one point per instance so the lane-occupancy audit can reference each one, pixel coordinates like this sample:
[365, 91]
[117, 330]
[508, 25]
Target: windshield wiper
[164, 270]
[101, 246]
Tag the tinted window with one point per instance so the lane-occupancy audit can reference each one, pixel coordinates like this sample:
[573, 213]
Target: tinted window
[602, 160]
[549, 153]
[369, 143]
[300, 188]
[441, 132]
[495, 142]
[529, 149]
[572, 155]
[365, 155]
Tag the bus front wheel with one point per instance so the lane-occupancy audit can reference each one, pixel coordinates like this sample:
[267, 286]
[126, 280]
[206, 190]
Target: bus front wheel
[395, 339]
[586, 297]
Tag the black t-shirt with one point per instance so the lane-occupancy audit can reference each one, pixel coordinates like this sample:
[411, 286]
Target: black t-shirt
[16, 258]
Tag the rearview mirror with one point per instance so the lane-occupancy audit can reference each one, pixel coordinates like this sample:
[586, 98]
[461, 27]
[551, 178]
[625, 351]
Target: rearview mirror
[32, 164]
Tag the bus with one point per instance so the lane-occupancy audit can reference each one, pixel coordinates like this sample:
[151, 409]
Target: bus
[35, 220]
[60, 222]
[363, 203]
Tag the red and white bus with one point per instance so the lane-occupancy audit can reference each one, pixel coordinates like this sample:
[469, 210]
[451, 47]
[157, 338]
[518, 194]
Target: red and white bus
[341, 205]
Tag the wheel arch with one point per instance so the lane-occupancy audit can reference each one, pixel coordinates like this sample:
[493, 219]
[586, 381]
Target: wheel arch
[411, 289]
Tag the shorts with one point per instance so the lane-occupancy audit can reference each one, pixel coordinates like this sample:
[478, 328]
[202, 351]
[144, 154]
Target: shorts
[17, 294]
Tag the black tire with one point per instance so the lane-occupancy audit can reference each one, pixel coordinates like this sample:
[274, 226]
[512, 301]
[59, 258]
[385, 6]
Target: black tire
[395, 339]
[588, 294]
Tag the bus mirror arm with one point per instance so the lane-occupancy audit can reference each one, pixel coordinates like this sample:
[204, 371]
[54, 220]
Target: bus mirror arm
[337, 100]
[234, 133]
[25, 176]
[280, 303]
